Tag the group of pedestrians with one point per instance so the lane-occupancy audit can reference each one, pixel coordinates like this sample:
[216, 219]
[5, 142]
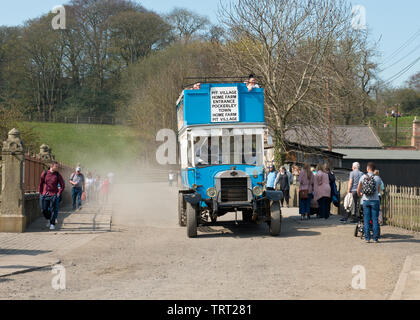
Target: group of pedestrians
[364, 191]
[97, 188]
[51, 188]
[279, 180]
[319, 186]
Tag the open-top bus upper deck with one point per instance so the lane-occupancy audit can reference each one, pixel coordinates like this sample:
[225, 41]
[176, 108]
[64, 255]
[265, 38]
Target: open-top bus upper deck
[217, 104]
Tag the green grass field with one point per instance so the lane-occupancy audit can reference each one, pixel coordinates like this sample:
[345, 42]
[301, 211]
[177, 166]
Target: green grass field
[93, 146]
[387, 135]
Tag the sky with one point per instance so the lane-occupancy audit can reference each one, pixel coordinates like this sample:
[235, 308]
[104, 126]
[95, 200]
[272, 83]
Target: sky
[391, 23]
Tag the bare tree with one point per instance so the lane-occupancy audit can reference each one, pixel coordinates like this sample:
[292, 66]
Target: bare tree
[93, 18]
[286, 43]
[153, 85]
[45, 52]
[351, 71]
[187, 23]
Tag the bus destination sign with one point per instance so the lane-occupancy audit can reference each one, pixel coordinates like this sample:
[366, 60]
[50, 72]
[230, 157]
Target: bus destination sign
[224, 104]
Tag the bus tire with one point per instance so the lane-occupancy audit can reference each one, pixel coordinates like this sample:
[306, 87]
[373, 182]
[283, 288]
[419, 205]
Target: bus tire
[247, 215]
[275, 218]
[182, 218]
[191, 214]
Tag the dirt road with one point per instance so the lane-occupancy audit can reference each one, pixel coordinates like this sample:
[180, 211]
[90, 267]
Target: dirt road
[147, 256]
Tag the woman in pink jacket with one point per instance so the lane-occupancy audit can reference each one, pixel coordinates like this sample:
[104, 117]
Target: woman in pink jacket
[322, 191]
[306, 183]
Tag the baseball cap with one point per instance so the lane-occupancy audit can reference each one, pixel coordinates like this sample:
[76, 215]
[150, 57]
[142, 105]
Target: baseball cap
[78, 169]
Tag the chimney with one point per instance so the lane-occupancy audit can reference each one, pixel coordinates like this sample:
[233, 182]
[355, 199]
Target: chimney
[415, 140]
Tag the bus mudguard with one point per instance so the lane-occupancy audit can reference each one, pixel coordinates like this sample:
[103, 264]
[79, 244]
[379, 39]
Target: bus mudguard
[193, 198]
[274, 195]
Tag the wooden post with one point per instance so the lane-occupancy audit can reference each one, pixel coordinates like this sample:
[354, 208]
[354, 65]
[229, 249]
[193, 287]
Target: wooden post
[399, 205]
[329, 117]
[411, 208]
[391, 198]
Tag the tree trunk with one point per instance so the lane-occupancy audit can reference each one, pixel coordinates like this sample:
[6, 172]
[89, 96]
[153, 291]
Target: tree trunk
[279, 149]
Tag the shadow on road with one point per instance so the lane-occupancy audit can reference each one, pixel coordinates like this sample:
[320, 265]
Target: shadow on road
[230, 229]
[396, 238]
[23, 252]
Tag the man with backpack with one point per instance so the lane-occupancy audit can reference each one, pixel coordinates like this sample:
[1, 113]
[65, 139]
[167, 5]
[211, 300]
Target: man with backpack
[77, 179]
[368, 189]
[50, 188]
[354, 179]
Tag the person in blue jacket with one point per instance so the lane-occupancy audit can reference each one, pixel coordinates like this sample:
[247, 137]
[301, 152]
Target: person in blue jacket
[271, 177]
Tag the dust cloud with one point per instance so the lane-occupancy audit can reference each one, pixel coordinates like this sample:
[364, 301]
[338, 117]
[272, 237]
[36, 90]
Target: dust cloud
[141, 196]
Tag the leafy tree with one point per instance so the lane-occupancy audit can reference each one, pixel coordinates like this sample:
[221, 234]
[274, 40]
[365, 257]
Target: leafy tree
[136, 34]
[409, 100]
[414, 82]
[14, 86]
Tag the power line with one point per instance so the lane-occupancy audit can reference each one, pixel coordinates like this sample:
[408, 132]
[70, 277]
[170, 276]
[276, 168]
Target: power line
[401, 72]
[402, 47]
[398, 61]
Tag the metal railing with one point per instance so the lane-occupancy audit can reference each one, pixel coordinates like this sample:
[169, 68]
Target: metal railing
[76, 120]
[33, 168]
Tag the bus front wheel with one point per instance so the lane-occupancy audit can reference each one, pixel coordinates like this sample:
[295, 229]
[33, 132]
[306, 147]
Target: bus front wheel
[275, 221]
[191, 214]
[181, 211]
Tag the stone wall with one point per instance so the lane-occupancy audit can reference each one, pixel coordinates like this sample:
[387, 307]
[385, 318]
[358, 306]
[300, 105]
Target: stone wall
[32, 207]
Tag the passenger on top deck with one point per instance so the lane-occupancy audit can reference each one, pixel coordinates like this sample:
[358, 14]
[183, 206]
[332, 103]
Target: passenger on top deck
[196, 86]
[251, 83]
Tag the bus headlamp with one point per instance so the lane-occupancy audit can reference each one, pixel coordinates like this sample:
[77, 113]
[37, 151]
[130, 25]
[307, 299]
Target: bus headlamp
[257, 191]
[212, 192]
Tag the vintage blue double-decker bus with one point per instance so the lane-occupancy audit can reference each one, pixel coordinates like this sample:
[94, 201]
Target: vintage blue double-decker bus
[221, 129]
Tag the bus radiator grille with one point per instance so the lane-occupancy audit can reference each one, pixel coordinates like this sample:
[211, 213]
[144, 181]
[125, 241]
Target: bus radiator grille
[234, 189]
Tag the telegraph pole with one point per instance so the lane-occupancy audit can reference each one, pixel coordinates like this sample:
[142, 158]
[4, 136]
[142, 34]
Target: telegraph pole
[329, 116]
[396, 125]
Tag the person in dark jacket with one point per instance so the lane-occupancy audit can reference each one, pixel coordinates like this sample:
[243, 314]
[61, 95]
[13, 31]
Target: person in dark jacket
[51, 186]
[283, 181]
[331, 178]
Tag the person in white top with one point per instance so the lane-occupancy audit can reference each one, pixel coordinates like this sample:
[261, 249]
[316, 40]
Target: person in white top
[89, 185]
[251, 83]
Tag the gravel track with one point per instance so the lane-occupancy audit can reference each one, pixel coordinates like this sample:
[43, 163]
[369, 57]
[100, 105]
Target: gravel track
[147, 256]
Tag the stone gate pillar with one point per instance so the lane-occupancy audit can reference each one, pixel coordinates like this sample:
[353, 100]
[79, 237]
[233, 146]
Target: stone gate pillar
[46, 156]
[12, 218]
[415, 139]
